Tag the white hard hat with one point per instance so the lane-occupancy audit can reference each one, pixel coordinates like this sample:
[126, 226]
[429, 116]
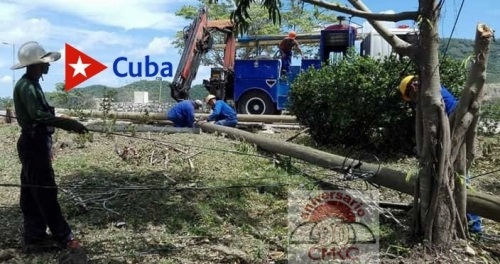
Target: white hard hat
[198, 102]
[209, 97]
[33, 53]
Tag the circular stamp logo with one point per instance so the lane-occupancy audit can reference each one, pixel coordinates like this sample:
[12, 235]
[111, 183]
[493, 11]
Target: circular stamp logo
[333, 225]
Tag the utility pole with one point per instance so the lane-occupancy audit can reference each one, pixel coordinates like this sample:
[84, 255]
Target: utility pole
[8, 110]
[13, 62]
[159, 96]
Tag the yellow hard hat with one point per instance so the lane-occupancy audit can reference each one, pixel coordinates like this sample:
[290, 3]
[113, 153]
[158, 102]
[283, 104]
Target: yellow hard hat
[209, 97]
[404, 85]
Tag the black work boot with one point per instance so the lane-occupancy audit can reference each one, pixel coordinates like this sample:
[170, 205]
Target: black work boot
[75, 253]
[39, 244]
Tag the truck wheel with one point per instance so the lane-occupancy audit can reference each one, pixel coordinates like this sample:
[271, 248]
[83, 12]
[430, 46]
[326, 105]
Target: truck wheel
[256, 103]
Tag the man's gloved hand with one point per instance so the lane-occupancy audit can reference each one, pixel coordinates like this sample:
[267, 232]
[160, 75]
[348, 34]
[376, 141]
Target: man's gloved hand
[79, 128]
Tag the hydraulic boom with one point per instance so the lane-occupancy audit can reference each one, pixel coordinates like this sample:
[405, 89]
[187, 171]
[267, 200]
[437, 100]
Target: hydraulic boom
[198, 41]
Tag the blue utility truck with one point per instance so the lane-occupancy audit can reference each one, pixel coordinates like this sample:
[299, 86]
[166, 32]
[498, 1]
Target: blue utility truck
[255, 86]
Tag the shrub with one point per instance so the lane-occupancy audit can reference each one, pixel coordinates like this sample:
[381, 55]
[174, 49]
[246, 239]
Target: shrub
[356, 102]
[453, 74]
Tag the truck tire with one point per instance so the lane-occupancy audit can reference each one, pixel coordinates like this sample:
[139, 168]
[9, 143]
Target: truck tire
[256, 103]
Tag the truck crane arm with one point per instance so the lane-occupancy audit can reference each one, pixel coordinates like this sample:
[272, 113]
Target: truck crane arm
[198, 41]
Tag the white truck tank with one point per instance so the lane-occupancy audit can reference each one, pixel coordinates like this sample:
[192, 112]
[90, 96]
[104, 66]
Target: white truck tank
[375, 46]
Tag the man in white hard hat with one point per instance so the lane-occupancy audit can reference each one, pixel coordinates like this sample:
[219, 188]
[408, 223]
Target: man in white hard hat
[37, 121]
[182, 114]
[222, 114]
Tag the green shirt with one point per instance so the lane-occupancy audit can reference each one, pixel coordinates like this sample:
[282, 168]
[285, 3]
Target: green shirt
[31, 106]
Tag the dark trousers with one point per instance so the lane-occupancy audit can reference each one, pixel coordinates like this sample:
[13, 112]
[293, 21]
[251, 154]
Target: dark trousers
[178, 122]
[227, 122]
[39, 205]
[286, 61]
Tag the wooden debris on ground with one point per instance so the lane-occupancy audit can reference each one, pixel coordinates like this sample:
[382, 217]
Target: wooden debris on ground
[240, 254]
[127, 153]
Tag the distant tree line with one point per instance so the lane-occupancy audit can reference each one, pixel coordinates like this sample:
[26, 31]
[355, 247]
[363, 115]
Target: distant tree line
[459, 49]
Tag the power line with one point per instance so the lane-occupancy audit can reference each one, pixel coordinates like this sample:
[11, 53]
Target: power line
[451, 35]
[486, 173]
[251, 183]
[453, 29]
[143, 188]
[176, 143]
[348, 171]
[183, 144]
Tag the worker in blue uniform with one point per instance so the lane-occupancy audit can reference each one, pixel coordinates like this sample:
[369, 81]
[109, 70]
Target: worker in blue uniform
[222, 114]
[409, 90]
[182, 114]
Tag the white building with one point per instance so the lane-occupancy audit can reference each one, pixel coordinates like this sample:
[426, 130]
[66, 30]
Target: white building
[141, 98]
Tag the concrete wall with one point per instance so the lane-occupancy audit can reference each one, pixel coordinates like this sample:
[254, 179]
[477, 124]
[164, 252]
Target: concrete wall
[134, 107]
[492, 91]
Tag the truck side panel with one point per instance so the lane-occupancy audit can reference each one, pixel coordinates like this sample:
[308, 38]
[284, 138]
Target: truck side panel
[256, 73]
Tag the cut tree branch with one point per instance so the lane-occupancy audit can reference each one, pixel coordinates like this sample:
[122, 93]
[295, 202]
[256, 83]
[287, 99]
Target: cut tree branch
[410, 15]
[459, 134]
[399, 45]
[464, 120]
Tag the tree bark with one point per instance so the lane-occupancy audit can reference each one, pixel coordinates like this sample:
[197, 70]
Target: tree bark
[437, 209]
[399, 45]
[460, 193]
[409, 15]
[465, 119]
[8, 115]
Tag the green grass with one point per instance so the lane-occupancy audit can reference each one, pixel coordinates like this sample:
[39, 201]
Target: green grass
[161, 225]
[171, 226]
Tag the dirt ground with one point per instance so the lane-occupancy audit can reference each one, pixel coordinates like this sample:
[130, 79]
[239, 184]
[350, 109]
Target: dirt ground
[202, 198]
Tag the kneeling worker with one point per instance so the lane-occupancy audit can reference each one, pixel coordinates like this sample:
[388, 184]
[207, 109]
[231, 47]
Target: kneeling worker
[182, 114]
[223, 114]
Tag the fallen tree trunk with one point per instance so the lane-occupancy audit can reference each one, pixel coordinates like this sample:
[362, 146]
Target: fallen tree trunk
[484, 205]
[283, 126]
[162, 116]
[136, 128]
[241, 125]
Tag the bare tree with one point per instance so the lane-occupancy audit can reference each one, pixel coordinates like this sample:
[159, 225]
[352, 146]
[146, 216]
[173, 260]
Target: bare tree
[445, 145]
